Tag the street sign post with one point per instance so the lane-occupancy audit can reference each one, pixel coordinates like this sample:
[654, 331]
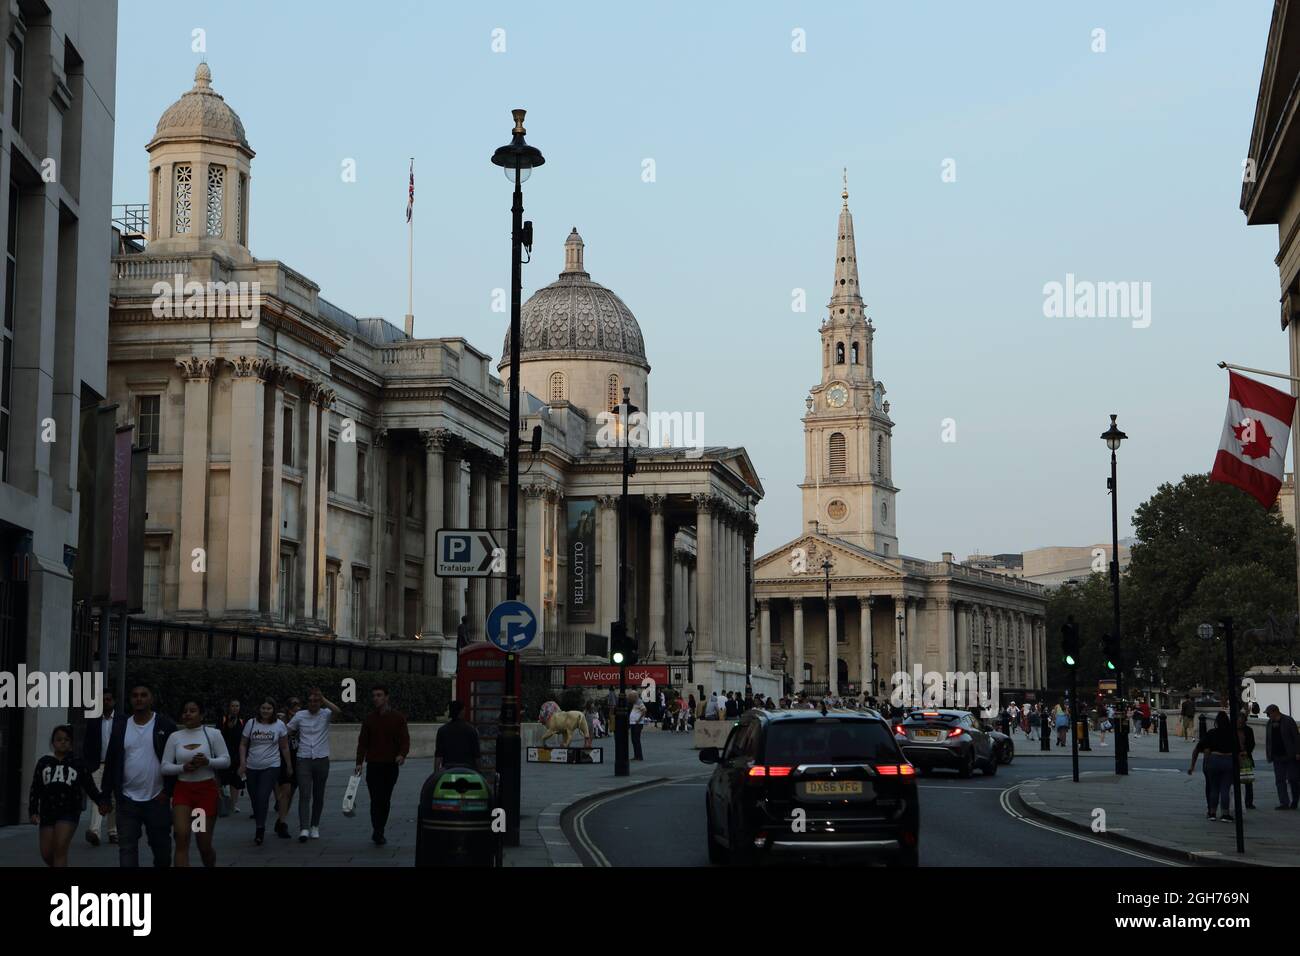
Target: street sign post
[512, 626]
[465, 553]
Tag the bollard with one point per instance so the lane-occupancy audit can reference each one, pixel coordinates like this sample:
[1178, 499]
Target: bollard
[1164, 733]
[1200, 724]
[1084, 743]
[1045, 734]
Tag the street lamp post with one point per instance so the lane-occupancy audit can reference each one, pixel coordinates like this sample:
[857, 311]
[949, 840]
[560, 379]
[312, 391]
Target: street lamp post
[621, 766]
[1113, 437]
[690, 654]
[517, 159]
[901, 618]
[1206, 633]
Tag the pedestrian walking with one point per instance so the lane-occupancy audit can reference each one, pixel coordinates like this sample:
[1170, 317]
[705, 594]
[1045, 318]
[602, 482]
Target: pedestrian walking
[457, 743]
[193, 754]
[730, 709]
[1218, 746]
[711, 707]
[462, 632]
[382, 747]
[1105, 724]
[1246, 744]
[263, 754]
[312, 765]
[54, 803]
[636, 722]
[286, 783]
[1187, 713]
[1062, 721]
[231, 728]
[94, 747]
[133, 775]
[1282, 750]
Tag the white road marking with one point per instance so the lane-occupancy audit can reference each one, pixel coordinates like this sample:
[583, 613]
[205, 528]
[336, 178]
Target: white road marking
[1005, 799]
[580, 821]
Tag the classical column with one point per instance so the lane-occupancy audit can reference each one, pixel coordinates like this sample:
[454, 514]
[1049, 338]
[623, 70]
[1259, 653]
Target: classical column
[832, 649]
[378, 535]
[797, 603]
[534, 557]
[658, 589]
[434, 442]
[865, 604]
[453, 590]
[244, 518]
[305, 595]
[947, 652]
[194, 480]
[607, 554]
[963, 637]
[705, 564]
[324, 401]
[272, 492]
[477, 520]
[764, 633]
[496, 583]
[912, 641]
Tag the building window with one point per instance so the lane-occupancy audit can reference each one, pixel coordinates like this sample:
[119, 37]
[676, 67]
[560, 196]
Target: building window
[838, 458]
[839, 353]
[286, 585]
[880, 455]
[216, 199]
[557, 386]
[153, 582]
[331, 472]
[361, 472]
[16, 81]
[855, 354]
[11, 303]
[184, 188]
[332, 598]
[286, 458]
[359, 590]
[147, 422]
[613, 393]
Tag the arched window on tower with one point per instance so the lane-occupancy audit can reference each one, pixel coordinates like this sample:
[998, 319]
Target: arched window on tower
[557, 386]
[839, 353]
[836, 453]
[614, 396]
[856, 358]
[880, 455]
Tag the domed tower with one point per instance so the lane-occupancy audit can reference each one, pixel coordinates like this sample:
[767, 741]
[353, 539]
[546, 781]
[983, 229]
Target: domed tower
[198, 175]
[579, 342]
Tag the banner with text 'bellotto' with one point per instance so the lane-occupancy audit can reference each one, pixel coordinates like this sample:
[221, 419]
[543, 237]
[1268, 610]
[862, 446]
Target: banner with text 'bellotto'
[582, 561]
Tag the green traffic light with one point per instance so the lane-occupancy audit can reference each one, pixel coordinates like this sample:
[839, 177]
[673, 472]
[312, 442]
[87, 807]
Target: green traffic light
[1110, 665]
[1069, 660]
[618, 657]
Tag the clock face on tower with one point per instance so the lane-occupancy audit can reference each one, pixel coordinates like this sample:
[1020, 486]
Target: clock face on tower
[837, 395]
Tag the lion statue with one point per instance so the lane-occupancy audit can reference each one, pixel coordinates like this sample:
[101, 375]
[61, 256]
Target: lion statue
[566, 722]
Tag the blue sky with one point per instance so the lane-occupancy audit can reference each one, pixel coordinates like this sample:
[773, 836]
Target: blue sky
[1115, 166]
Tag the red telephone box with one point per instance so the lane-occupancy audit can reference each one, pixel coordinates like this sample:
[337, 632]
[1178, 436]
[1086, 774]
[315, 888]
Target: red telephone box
[480, 684]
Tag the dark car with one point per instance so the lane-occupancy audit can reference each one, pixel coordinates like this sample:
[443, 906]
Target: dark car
[806, 785]
[949, 739]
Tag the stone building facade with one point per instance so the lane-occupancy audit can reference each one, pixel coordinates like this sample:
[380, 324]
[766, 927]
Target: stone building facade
[301, 457]
[841, 609]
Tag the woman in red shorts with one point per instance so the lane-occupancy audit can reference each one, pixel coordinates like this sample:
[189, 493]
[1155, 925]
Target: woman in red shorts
[194, 753]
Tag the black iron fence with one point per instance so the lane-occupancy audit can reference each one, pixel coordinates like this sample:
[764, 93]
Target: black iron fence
[171, 640]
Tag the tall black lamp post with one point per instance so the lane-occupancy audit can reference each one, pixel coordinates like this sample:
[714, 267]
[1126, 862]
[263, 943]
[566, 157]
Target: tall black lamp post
[690, 655]
[1112, 437]
[621, 767]
[517, 159]
[1206, 633]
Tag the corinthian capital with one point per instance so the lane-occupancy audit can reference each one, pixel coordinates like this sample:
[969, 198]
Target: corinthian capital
[435, 439]
[250, 366]
[197, 367]
[704, 503]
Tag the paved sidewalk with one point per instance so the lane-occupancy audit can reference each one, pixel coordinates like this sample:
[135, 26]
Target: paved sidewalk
[1146, 746]
[547, 789]
[1163, 810]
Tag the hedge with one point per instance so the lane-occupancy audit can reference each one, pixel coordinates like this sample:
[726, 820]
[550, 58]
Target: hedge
[212, 683]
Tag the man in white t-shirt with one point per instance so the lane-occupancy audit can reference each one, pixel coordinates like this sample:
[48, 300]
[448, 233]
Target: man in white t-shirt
[133, 774]
[313, 762]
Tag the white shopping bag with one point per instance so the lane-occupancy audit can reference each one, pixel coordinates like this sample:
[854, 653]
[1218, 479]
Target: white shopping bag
[350, 796]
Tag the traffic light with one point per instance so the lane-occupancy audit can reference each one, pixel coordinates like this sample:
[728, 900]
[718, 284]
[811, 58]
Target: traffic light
[1070, 643]
[622, 649]
[1110, 651]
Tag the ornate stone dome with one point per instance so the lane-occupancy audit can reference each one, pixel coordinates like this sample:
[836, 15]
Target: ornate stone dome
[201, 114]
[575, 317]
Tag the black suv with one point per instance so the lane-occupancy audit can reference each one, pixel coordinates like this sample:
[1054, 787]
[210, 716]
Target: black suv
[807, 784]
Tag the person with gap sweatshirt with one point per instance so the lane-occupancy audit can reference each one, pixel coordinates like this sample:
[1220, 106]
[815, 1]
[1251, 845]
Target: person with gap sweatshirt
[54, 803]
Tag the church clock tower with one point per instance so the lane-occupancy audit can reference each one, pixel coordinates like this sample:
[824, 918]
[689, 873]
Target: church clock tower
[848, 490]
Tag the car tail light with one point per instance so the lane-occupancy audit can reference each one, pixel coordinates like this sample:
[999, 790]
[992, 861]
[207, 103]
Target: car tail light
[770, 771]
[908, 838]
[896, 770]
[956, 732]
[899, 731]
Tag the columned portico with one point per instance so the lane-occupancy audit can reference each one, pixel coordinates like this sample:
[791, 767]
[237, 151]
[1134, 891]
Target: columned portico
[434, 443]
[798, 643]
[198, 372]
[865, 648]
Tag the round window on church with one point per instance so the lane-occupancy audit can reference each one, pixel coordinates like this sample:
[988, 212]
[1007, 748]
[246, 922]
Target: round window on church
[837, 510]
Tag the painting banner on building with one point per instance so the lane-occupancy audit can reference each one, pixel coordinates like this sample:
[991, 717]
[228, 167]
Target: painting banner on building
[582, 560]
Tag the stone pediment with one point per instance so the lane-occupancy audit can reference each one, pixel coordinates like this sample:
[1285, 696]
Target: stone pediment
[847, 561]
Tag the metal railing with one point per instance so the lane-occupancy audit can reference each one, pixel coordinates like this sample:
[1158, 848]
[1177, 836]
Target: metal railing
[132, 219]
[168, 640]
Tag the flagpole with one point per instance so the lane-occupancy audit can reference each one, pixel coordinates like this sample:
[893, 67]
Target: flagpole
[410, 266]
[1257, 371]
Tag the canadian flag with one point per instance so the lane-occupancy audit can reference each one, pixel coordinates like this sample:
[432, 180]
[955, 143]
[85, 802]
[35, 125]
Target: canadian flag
[1252, 448]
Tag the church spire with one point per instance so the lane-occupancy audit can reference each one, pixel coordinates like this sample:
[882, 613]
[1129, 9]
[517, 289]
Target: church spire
[846, 300]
